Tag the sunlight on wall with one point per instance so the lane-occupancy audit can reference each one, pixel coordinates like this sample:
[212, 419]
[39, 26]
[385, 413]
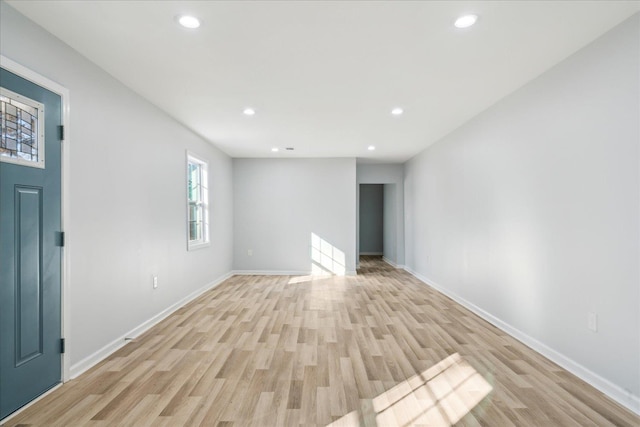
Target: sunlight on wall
[326, 258]
[440, 396]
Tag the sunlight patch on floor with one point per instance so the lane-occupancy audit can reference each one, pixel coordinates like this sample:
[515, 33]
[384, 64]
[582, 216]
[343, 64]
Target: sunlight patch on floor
[440, 396]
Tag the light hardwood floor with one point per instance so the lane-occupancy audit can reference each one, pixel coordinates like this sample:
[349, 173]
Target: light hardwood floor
[379, 349]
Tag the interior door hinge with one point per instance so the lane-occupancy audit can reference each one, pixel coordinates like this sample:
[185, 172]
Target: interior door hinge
[60, 240]
[61, 132]
[62, 345]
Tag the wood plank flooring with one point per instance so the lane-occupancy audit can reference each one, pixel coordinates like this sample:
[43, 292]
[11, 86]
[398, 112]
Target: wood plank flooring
[378, 349]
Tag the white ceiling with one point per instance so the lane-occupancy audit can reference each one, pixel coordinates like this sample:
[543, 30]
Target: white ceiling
[323, 76]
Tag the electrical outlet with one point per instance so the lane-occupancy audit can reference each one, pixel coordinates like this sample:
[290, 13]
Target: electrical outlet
[250, 252]
[155, 282]
[592, 322]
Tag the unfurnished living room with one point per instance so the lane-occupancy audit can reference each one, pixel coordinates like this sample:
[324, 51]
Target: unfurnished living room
[319, 213]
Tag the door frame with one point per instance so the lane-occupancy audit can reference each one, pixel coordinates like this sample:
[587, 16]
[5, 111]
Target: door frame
[65, 318]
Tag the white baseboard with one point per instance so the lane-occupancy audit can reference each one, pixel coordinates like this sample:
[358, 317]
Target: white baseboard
[613, 391]
[95, 358]
[370, 253]
[281, 273]
[388, 261]
[270, 273]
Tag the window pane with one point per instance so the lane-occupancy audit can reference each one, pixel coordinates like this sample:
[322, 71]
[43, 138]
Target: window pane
[195, 230]
[194, 213]
[19, 139]
[194, 181]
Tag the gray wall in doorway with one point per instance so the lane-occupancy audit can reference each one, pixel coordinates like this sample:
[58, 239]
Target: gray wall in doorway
[371, 219]
[387, 174]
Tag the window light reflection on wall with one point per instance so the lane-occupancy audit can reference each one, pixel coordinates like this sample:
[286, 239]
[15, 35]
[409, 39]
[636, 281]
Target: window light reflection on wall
[326, 258]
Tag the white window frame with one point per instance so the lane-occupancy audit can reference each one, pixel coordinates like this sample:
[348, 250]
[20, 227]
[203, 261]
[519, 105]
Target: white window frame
[202, 202]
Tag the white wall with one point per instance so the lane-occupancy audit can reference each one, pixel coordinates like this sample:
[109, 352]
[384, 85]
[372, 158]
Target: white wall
[387, 174]
[127, 197]
[530, 212]
[390, 223]
[278, 203]
[371, 220]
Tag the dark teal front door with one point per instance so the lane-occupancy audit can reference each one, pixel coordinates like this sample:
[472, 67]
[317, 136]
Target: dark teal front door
[30, 252]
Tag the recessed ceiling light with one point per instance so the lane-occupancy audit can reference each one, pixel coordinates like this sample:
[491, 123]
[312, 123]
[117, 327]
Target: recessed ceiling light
[275, 149]
[397, 111]
[189, 21]
[465, 21]
[371, 148]
[249, 112]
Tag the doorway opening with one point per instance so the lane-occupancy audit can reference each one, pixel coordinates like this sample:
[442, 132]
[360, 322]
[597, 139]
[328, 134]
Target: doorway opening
[377, 222]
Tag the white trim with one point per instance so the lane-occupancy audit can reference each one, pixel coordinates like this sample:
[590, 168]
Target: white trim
[31, 403]
[203, 164]
[196, 246]
[95, 358]
[271, 273]
[57, 88]
[284, 273]
[388, 261]
[371, 253]
[611, 390]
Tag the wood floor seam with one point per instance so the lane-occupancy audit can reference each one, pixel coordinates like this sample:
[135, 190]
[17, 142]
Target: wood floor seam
[376, 349]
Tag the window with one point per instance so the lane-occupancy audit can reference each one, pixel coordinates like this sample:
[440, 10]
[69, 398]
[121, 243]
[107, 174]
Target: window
[21, 130]
[197, 202]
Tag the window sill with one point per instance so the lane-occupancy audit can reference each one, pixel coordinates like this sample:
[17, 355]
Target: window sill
[196, 246]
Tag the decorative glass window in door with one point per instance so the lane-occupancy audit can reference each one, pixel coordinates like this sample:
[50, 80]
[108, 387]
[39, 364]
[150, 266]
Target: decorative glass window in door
[22, 130]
